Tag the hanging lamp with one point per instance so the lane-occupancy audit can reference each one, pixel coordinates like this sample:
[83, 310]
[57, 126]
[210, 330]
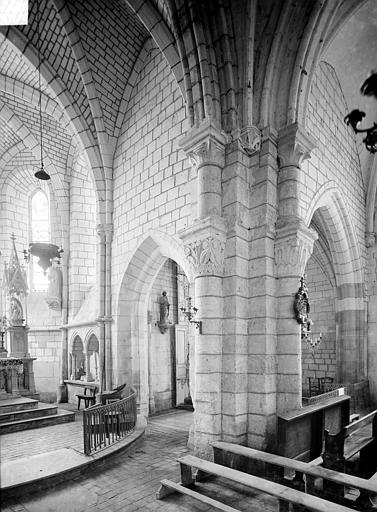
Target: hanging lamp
[41, 174]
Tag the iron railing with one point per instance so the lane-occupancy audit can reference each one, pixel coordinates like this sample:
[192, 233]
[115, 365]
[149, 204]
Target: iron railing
[104, 425]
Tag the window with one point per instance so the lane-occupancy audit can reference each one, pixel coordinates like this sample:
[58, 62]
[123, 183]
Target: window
[39, 232]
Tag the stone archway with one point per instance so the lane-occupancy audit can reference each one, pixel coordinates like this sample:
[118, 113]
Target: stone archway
[131, 341]
[328, 212]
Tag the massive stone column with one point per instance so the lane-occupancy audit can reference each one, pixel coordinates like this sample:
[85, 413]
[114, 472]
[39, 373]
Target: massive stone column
[293, 247]
[204, 246]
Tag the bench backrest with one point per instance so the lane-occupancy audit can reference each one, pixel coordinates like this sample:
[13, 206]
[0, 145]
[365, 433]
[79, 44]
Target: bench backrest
[362, 422]
[221, 448]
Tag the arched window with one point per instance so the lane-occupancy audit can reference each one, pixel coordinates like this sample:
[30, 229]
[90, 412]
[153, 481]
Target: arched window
[39, 232]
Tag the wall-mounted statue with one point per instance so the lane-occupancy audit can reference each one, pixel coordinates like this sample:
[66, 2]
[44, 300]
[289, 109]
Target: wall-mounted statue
[164, 322]
[54, 292]
[15, 312]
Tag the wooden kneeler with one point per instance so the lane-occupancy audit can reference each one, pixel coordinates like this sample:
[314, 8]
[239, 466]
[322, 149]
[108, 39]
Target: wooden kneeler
[286, 495]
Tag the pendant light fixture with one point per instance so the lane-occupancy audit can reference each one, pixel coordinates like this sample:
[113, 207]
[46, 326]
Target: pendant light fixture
[41, 174]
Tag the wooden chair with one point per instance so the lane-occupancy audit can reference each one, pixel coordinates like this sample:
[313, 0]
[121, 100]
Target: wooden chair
[314, 386]
[326, 384]
[89, 399]
[113, 395]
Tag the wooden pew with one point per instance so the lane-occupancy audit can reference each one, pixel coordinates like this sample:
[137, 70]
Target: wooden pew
[273, 466]
[285, 494]
[366, 444]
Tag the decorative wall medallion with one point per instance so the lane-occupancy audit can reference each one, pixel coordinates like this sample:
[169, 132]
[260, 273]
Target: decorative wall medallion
[301, 308]
[250, 139]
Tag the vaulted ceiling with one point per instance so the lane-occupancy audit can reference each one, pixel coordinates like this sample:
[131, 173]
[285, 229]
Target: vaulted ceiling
[89, 50]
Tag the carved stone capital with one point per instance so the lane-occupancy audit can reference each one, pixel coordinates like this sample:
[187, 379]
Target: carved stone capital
[204, 246]
[370, 239]
[293, 248]
[294, 145]
[205, 145]
[105, 232]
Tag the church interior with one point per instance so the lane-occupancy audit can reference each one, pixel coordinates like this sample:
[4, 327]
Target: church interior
[189, 225]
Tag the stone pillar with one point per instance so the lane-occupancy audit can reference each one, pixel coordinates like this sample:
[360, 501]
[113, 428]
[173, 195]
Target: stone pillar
[293, 247]
[204, 247]
[64, 371]
[108, 312]
[261, 319]
[294, 146]
[372, 316]
[101, 266]
[105, 232]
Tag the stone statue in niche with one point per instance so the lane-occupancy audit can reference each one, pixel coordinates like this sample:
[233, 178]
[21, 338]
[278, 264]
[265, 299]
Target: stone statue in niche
[164, 322]
[16, 312]
[54, 292]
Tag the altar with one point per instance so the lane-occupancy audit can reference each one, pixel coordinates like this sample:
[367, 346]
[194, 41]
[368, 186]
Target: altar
[16, 364]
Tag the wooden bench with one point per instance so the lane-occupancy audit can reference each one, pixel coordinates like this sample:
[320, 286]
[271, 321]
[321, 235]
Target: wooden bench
[365, 444]
[88, 398]
[285, 494]
[273, 466]
[359, 436]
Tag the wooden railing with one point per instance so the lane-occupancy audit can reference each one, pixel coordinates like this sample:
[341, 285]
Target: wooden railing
[104, 425]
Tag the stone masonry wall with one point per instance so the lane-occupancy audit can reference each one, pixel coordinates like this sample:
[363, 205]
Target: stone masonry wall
[83, 237]
[336, 157]
[320, 362]
[151, 173]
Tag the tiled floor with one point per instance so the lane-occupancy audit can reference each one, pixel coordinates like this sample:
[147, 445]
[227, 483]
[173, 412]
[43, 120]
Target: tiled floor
[129, 483]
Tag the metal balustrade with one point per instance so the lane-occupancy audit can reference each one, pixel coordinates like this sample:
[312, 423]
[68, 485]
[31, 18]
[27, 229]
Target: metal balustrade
[104, 425]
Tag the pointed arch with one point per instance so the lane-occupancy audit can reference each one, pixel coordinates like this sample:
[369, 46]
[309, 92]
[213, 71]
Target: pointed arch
[328, 209]
[341, 233]
[131, 343]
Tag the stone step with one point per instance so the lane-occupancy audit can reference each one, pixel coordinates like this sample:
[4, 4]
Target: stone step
[24, 414]
[17, 404]
[44, 421]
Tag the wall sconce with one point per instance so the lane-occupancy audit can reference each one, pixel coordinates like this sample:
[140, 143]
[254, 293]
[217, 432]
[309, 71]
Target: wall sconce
[190, 313]
[354, 118]
[301, 308]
